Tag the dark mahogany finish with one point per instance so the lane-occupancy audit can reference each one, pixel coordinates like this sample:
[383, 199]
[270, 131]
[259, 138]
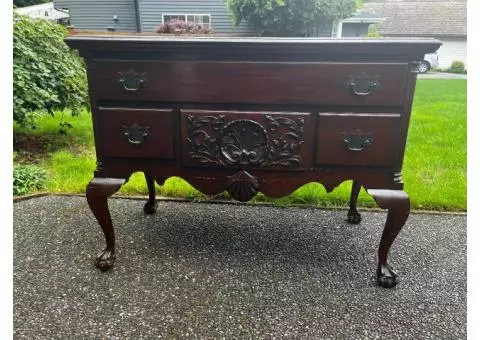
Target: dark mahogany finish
[251, 115]
[136, 133]
[212, 82]
[365, 139]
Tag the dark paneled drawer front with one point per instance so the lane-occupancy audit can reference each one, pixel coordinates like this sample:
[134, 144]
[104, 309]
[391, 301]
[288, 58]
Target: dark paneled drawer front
[136, 133]
[252, 82]
[266, 140]
[357, 139]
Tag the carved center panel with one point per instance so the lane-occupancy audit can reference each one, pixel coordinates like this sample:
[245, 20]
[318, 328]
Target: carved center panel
[262, 140]
[244, 142]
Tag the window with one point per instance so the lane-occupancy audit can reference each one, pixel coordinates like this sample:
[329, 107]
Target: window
[199, 19]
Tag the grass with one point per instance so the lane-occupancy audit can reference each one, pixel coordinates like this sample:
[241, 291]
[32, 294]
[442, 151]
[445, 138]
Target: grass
[435, 165]
[434, 168]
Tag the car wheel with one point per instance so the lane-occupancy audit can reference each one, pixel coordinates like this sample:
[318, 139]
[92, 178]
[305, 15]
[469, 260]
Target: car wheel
[423, 67]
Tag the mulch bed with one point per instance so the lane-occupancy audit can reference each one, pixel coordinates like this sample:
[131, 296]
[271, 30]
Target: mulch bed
[31, 149]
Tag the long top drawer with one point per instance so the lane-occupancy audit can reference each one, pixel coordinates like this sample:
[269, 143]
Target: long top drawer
[323, 83]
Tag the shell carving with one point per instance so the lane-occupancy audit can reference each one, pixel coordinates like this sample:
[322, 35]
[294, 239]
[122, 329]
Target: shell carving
[242, 186]
[244, 142]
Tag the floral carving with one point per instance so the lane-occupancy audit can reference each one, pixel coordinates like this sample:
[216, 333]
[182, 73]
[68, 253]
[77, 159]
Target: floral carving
[243, 142]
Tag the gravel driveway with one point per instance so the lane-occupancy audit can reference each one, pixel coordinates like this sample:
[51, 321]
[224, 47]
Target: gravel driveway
[225, 271]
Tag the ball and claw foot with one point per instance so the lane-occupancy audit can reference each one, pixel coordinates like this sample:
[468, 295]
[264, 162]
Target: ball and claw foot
[150, 208]
[105, 260]
[386, 276]
[354, 217]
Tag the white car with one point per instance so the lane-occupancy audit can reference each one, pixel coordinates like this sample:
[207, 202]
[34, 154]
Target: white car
[430, 60]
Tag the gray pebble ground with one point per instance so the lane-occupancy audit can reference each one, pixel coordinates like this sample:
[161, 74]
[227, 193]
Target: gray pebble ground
[213, 271]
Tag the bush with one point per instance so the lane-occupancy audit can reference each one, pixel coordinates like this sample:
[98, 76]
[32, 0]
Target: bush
[180, 26]
[373, 31]
[28, 178]
[47, 76]
[24, 3]
[457, 67]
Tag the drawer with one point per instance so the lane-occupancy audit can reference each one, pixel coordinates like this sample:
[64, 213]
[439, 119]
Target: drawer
[135, 133]
[267, 140]
[325, 83]
[357, 139]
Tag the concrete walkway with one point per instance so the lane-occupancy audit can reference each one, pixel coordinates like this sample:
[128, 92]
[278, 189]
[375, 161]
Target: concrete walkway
[441, 75]
[212, 271]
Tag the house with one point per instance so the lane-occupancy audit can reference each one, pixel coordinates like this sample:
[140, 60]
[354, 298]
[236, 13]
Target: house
[146, 15]
[44, 11]
[440, 19]
[357, 25]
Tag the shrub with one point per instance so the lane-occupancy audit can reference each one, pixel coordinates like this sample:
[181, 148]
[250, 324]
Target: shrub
[373, 31]
[180, 26]
[24, 3]
[457, 67]
[47, 76]
[28, 178]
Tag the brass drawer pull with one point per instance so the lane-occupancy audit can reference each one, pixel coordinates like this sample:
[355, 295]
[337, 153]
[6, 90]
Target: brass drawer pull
[361, 90]
[364, 84]
[136, 134]
[131, 80]
[356, 141]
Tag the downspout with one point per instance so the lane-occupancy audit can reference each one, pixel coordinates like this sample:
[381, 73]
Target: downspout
[137, 16]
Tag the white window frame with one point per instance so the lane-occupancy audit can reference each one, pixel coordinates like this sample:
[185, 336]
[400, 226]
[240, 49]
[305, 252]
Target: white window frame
[185, 15]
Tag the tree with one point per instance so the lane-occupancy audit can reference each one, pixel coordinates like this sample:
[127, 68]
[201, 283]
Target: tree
[47, 75]
[25, 3]
[289, 17]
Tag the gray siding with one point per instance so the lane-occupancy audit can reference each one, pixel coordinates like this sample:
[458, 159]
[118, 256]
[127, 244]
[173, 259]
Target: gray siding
[355, 30]
[151, 14]
[452, 49]
[97, 15]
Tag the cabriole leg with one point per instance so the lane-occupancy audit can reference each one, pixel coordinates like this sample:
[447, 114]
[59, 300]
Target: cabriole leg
[151, 206]
[98, 190]
[353, 215]
[398, 205]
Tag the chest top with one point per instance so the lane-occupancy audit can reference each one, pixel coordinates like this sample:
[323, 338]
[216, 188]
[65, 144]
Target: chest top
[103, 46]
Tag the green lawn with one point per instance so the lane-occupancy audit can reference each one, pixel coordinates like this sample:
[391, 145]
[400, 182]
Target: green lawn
[434, 169]
[435, 165]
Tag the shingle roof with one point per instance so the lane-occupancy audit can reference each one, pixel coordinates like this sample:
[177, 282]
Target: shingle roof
[420, 18]
[364, 17]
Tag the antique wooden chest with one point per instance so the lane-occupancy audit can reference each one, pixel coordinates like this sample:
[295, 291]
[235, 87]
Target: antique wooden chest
[252, 114]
